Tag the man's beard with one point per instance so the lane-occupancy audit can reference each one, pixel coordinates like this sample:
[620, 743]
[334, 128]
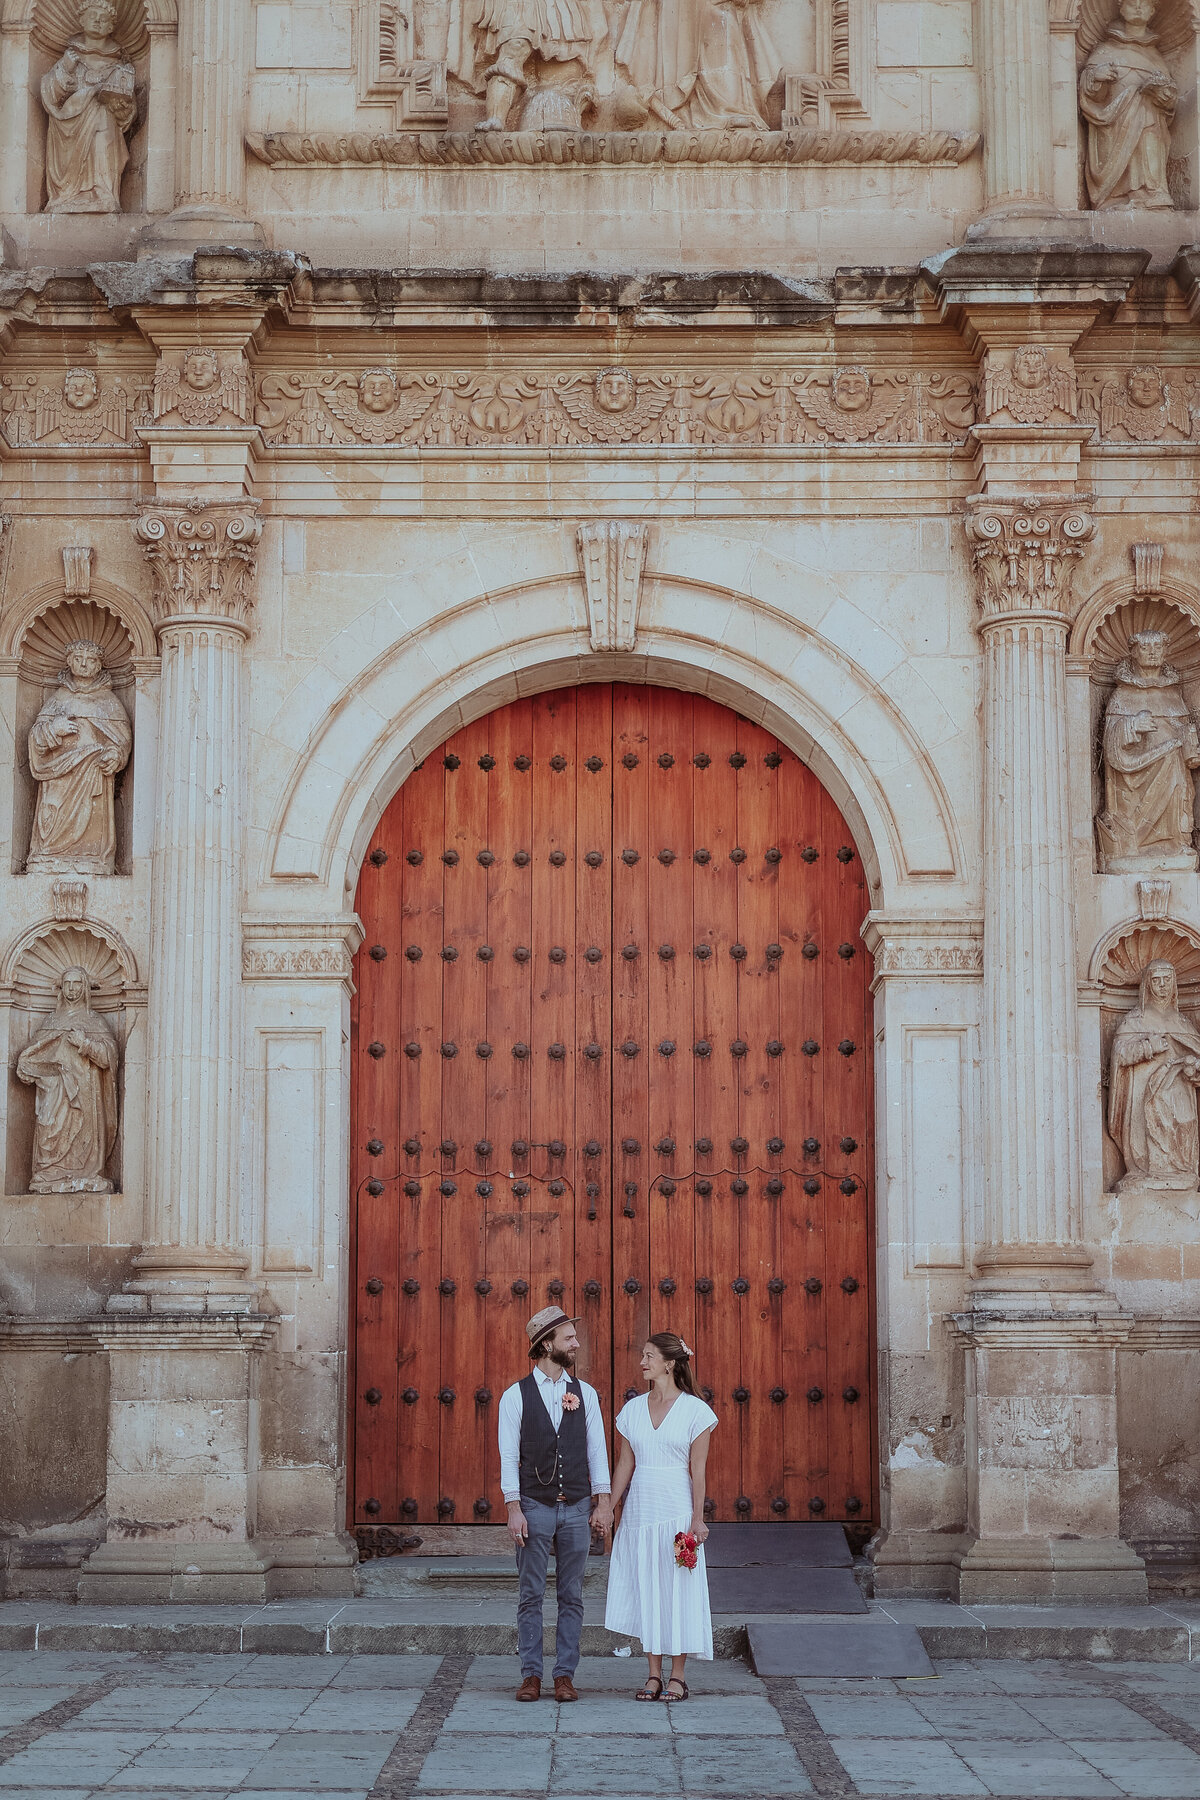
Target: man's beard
[564, 1358]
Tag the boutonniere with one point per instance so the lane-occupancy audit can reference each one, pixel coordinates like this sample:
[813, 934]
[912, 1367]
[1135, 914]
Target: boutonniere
[570, 1402]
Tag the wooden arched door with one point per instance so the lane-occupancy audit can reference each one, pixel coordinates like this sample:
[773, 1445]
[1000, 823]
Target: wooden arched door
[612, 1047]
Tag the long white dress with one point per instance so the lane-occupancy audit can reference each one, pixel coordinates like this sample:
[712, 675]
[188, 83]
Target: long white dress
[649, 1596]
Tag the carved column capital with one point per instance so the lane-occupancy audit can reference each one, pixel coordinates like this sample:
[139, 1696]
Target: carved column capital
[1025, 554]
[203, 558]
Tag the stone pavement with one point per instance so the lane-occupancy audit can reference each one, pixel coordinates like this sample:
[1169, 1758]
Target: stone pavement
[103, 1726]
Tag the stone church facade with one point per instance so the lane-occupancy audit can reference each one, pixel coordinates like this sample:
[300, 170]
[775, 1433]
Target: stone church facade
[802, 396]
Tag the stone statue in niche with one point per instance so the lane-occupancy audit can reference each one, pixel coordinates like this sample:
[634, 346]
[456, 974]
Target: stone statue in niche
[90, 107]
[1153, 1078]
[538, 52]
[72, 1061]
[78, 745]
[1150, 749]
[699, 64]
[1128, 97]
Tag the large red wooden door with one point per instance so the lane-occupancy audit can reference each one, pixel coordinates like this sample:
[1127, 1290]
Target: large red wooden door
[612, 1048]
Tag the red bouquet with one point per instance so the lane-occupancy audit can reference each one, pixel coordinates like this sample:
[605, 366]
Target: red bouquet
[685, 1550]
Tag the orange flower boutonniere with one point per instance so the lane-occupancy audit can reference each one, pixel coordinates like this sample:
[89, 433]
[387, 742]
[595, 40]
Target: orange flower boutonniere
[570, 1402]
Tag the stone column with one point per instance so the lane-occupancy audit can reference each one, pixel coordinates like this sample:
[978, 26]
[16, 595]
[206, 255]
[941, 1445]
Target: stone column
[1041, 1376]
[1014, 57]
[203, 560]
[210, 157]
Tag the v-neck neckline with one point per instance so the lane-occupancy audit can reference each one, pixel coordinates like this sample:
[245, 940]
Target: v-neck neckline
[657, 1428]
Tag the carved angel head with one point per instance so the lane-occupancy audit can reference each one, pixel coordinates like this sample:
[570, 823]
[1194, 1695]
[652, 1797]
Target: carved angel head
[81, 389]
[377, 390]
[1031, 366]
[614, 390]
[1144, 385]
[84, 659]
[201, 369]
[851, 389]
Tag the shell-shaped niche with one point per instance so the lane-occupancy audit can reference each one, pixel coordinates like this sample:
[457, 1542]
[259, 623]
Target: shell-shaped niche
[1128, 957]
[1110, 644]
[56, 22]
[44, 644]
[42, 964]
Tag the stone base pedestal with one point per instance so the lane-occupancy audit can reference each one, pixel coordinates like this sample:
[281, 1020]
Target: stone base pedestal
[158, 1574]
[1050, 1571]
[916, 1564]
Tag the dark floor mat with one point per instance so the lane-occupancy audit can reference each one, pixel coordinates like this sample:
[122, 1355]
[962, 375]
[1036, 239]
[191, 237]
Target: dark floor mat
[776, 1590]
[849, 1652]
[798, 1546]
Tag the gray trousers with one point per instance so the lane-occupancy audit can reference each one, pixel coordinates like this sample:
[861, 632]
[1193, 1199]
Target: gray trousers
[567, 1527]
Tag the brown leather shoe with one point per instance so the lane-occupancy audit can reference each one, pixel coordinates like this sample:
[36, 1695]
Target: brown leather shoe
[530, 1688]
[564, 1688]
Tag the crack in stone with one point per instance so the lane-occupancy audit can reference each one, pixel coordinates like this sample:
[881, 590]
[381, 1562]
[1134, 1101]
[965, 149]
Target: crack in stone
[397, 1780]
[21, 1736]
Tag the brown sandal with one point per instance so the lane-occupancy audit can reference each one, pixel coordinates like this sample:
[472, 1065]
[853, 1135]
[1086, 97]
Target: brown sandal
[674, 1699]
[643, 1694]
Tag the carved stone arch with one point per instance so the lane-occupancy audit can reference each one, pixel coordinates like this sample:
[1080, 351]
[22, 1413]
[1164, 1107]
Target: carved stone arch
[1122, 953]
[350, 754]
[130, 613]
[1088, 636]
[55, 22]
[1175, 23]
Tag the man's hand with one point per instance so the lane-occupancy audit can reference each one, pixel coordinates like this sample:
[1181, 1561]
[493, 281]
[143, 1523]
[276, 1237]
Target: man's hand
[518, 1524]
[602, 1515]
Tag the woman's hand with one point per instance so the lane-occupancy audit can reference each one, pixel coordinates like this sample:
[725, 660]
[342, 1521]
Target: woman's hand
[699, 1530]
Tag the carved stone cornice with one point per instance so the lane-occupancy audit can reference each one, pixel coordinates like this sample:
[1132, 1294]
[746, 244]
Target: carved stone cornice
[202, 557]
[1025, 554]
[919, 946]
[300, 949]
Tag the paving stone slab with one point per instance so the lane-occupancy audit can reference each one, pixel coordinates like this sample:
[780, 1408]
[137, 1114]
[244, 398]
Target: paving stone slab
[803, 1647]
[592, 1766]
[902, 1766]
[463, 1764]
[1028, 1770]
[1159, 1772]
[742, 1766]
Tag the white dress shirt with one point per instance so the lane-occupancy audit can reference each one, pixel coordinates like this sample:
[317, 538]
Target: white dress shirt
[552, 1392]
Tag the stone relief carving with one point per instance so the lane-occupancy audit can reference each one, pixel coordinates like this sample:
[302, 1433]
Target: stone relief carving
[531, 52]
[79, 410]
[202, 558]
[77, 570]
[1150, 749]
[68, 899]
[614, 406]
[1032, 1431]
[261, 962]
[1127, 96]
[707, 65]
[612, 557]
[72, 1061]
[200, 388]
[1031, 388]
[1026, 553]
[79, 743]
[1142, 405]
[90, 109]
[1153, 1077]
[458, 149]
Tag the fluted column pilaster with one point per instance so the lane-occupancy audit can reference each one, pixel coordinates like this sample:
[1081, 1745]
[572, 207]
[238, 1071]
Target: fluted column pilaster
[1025, 553]
[210, 158]
[203, 560]
[1015, 76]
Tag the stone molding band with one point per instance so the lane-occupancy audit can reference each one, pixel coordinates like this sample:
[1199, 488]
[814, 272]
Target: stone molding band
[583, 149]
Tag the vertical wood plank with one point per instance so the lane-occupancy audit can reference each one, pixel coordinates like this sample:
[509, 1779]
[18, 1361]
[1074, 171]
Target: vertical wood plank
[552, 1040]
[632, 1161]
[590, 1174]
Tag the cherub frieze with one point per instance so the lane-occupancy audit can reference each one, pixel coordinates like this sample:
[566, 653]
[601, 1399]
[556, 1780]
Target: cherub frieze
[201, 387]
[1143, 405]
[614, 406]
[852, 406]
[1031, 389]
[77, 410]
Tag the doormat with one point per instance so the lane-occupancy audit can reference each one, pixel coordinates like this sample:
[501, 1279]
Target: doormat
[784, 1590]
[837, 1651]
[800, 1546]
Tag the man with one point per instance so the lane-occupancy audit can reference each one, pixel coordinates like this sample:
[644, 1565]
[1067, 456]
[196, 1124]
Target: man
[553, 1467]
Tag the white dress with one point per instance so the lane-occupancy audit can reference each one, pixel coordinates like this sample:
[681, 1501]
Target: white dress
[649, 1596]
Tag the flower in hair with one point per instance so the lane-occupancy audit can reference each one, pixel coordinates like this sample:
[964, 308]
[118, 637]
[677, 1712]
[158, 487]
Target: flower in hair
[686, 1348]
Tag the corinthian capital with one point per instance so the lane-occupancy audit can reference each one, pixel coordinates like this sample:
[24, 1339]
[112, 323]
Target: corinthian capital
[202, 556]
[1026, 553]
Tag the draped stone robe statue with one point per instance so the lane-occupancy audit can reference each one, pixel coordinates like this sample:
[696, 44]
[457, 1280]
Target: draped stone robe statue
[699, 64]
[72, 1061]
[90, 105]
[1127, 97]
[1150, 749]
[1154, 1074]
[79, 743]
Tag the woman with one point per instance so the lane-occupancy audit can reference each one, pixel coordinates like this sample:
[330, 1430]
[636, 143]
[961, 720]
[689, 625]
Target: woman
[664, 1450]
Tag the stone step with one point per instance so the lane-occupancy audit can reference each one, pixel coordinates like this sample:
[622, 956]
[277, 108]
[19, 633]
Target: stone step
[449, 1625]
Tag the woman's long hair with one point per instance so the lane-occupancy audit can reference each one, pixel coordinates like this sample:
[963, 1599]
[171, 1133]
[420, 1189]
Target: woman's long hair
[673, 1349]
